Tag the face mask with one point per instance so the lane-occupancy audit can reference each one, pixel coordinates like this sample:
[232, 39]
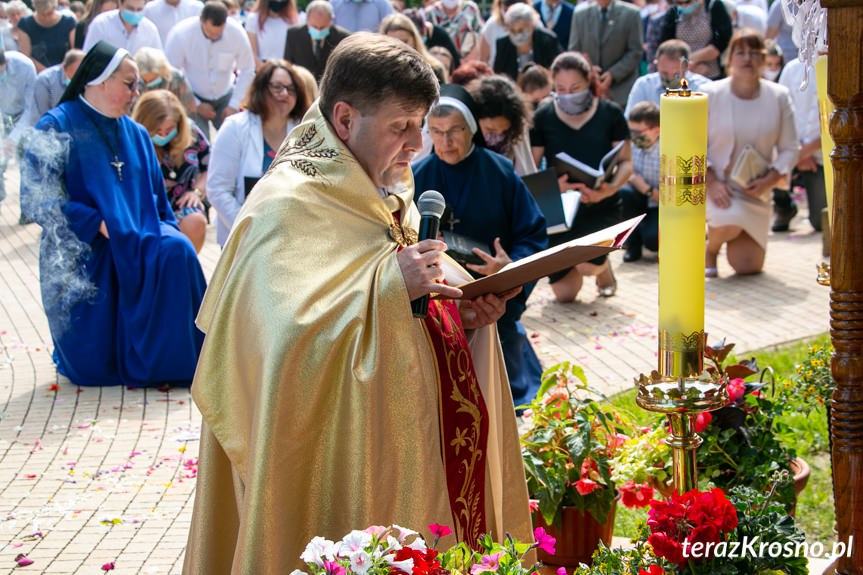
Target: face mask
[162, 140]
[132, 18]
[574, 104]
[642, 141]
[449, 4]
[496, 143]
[771, 74]
[521, 38]
[66, 81]
[155, 83]
[277, 6]
[318, 34]
[688, 10]
[671, 83]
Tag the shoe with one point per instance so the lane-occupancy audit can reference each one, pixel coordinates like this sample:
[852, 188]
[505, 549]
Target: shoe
[782, 217]
[711, 273]
[610, 289]
[632, 254]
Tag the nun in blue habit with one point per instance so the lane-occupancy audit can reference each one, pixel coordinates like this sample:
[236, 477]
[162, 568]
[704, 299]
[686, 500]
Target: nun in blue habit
[121, 285]
[489, 203]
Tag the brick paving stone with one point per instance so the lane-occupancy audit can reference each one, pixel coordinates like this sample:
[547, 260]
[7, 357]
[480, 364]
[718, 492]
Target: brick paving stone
[120, 456]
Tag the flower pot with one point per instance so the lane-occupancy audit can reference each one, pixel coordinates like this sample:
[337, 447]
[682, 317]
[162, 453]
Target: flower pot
[578, 537]
[800, 472]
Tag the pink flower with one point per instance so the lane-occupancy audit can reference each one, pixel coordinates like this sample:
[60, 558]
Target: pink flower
[375, 530]
[22, 560]
[736, 389]
[585, 486]
[333, 568]
[702, 421]
[439, 530]
[544, 541]
[489, 563]
[534, 504]
[108, 566]
[561, 571]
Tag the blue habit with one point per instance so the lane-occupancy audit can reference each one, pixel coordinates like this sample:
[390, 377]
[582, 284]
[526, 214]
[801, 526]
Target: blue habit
[489, 200]
[121, 310]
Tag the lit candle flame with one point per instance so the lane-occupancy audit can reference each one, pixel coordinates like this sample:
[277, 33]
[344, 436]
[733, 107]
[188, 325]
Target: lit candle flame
[684, 85]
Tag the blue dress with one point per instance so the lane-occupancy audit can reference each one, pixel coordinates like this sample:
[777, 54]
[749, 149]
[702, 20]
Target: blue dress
[489, 200]
[121, 310]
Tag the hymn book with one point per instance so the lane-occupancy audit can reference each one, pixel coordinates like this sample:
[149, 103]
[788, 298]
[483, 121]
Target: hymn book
[549, 261]
[558, 209]
[578, 171]
[750, 165]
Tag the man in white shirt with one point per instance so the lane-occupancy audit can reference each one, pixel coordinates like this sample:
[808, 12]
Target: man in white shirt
[17, 77]
[672, 60]
[809, 171]
[51, 83]
[124, 27]
[208, 49]
[165, 14]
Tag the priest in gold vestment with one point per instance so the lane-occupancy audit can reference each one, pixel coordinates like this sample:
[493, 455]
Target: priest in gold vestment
[326, 405]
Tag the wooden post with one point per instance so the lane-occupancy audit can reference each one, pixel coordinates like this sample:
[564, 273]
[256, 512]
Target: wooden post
[845, 87]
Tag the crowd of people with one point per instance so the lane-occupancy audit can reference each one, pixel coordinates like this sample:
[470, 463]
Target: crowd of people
[219, 85]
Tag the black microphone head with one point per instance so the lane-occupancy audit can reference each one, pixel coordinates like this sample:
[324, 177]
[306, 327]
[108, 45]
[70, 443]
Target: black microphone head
[431, 203]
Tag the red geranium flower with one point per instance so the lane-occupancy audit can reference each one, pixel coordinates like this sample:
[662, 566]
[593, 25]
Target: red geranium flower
[654, 570]
[636, 495]
[736, 389]
[585, 486]
[702, 421]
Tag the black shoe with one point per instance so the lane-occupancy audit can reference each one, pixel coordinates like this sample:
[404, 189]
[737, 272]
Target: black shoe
[632, 254]
[782, 217]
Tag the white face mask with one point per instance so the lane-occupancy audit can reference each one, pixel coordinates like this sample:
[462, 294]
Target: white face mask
[771, 74]
[450, 4]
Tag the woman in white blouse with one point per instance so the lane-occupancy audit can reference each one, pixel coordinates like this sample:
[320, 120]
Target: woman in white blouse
[248, 141]
[752, 114]
[267, 26]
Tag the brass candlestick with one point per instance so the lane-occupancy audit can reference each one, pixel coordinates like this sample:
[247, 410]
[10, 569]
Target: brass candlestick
[682, 389]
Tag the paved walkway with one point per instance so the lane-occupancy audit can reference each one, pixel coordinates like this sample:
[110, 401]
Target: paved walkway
[90, 476]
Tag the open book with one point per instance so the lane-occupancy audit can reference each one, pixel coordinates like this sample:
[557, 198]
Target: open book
[559, 209]
[552, 260]
[750, 165]
[580, 172]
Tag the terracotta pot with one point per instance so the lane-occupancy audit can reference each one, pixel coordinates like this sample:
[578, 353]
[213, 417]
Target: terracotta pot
[578, 537]
[800, 472]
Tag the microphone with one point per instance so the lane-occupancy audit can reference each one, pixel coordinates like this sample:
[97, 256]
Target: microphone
[431, 206]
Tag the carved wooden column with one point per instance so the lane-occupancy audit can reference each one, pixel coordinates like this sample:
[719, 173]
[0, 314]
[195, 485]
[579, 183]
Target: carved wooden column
[845, 87]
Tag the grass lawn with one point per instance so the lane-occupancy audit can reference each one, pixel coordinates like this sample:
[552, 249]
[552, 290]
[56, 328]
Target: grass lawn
[810, 438]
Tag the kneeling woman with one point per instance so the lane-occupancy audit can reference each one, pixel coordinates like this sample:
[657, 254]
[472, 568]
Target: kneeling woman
[121, 285]
[489, 203]
[183, 151]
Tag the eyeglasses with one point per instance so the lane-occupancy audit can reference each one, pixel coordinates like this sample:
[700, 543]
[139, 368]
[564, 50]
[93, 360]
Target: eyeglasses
[132, 85]
[278, 89]
[452, 133]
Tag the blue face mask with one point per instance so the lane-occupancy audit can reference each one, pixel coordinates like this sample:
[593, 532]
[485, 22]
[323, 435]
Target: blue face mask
[66, 81]
[163, 140]
[688, 10]
[318, 34]
[132, 18]
[155, 83]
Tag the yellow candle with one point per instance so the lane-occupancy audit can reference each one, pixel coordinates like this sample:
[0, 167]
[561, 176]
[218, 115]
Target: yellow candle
[825, 108]
[683, 151]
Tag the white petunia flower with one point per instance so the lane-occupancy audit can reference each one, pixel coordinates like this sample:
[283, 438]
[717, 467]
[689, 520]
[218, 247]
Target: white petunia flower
[360, 562]
[407, 565]
[298, 572]
[393, 544]
[418, 544]
[317, 550]
[404, 532]
[354, 541]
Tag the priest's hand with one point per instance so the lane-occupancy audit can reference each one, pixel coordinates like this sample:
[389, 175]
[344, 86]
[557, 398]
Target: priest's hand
[206, 111]
[103, 229]
[492, 264]
[485, 309]
[420, 266]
